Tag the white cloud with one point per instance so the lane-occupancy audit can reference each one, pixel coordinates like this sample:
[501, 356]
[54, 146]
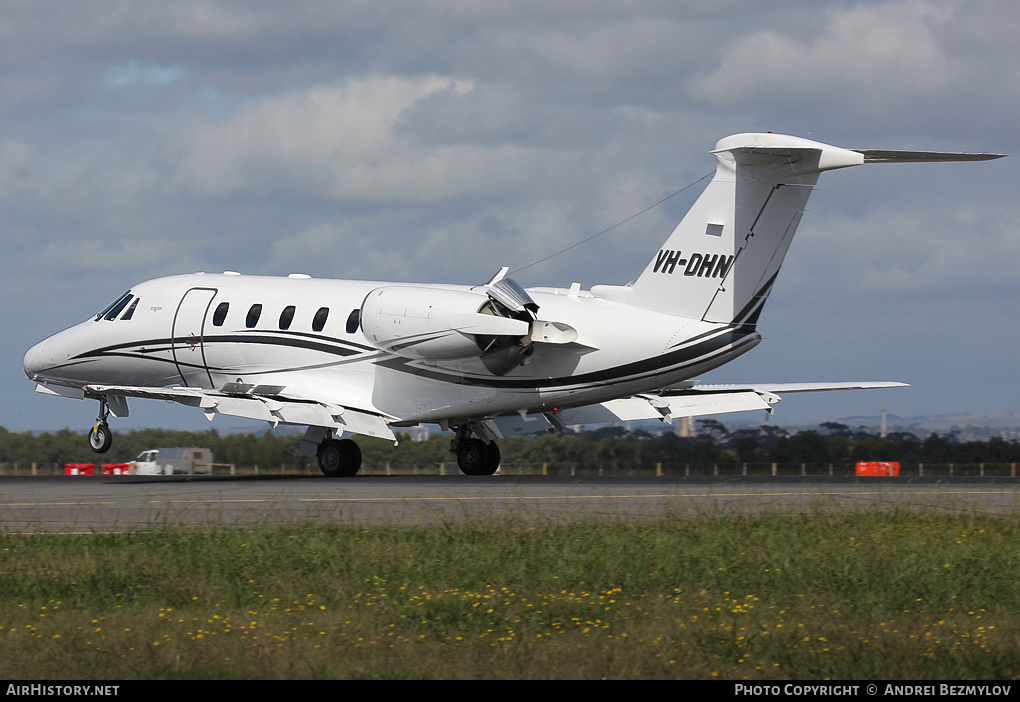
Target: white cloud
[320, 136]
[344, 142]
[867, 54]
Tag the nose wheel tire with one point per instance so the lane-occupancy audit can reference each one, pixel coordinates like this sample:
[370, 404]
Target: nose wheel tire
[100, 438]
[339, 459]
[475, 457]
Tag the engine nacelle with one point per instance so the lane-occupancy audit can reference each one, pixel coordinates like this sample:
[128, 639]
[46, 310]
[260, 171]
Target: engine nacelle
[436, 324]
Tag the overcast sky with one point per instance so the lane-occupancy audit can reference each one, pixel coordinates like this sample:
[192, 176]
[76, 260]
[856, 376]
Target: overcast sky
[437, 141]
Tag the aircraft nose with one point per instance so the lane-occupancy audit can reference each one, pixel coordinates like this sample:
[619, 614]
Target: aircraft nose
[36, 360]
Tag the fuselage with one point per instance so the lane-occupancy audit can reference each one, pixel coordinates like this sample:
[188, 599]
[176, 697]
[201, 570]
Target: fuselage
[305, 336]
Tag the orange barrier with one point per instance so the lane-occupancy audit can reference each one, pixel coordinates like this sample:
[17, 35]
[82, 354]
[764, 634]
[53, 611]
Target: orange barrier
[878, 468]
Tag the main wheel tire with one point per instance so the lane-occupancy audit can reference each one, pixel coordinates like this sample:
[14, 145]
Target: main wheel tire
[493, 458]
[100, 438]
[351, 457]
[475, 457]
[339, 459]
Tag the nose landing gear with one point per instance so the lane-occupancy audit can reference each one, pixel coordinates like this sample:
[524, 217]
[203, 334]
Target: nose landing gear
[100, 437]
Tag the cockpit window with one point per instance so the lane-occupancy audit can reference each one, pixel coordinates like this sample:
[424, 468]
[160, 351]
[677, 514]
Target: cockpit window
[253, 316]
[131, 310]
[118, 308]
[319, 320]
[106, 310]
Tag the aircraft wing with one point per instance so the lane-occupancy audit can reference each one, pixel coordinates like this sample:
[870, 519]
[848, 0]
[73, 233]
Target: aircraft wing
[268, 403]
[684, 401]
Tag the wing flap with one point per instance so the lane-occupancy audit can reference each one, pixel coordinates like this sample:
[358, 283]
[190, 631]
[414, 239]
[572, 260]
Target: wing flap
[273, 409]
[685, 400]
[365, 423]
[668, 408]
[718, 403]
[628, 409]
[60, 390]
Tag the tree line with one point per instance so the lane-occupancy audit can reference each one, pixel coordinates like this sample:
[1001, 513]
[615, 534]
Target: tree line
[713, 443]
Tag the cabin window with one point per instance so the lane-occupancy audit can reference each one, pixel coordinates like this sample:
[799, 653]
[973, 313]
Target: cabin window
[286, 317]
[106, 310]
[319, 320]
[118, 308]
[253, 316]
[220, 314]
[131, 310]
[353, 321]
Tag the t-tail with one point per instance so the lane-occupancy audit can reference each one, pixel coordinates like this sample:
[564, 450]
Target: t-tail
[721, 261]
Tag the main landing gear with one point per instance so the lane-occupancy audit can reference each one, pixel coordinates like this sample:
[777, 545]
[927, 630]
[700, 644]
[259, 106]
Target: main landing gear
[339, 458]
[100, 437]
[474, 456]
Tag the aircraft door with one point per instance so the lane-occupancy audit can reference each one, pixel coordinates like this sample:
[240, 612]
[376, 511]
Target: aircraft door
[188, 334]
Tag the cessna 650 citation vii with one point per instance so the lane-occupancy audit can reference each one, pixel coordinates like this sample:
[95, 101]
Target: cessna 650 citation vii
[488, 361]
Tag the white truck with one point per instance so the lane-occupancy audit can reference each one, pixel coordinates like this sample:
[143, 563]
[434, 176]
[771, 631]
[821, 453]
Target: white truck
[173, 461]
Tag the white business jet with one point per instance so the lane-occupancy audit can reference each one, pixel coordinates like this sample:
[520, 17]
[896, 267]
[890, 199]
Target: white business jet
[488, 361]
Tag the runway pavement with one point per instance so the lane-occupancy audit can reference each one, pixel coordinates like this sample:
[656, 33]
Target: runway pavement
[89, 504]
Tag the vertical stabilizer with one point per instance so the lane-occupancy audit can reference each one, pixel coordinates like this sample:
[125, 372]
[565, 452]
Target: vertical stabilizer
[720, 262]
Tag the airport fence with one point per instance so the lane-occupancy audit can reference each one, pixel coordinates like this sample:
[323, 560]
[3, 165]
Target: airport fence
[692, 470]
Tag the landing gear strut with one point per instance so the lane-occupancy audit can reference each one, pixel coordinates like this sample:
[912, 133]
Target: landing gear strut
[100, 437]
[474, 456]
[339, 459]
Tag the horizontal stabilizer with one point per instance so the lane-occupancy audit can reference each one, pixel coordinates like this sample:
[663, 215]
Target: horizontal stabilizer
[802, 387]
[888, 156]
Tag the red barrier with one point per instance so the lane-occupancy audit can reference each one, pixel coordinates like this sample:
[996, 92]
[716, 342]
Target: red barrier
[878, 468]
[116, 469]
[79, 469]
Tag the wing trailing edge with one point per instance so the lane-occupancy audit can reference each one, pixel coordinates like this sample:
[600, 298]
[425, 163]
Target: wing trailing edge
[893, 156]
[274, 409]
[686, 400]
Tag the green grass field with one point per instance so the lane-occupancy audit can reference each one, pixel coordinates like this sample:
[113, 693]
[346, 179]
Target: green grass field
[865, 595]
